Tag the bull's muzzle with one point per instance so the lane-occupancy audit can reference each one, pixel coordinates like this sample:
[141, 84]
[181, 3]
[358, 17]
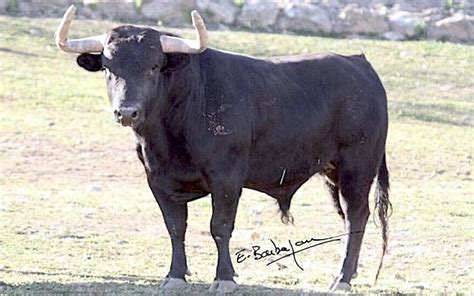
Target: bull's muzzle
[128, 116]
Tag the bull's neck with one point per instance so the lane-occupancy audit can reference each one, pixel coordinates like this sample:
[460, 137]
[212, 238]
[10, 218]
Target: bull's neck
[179, 102]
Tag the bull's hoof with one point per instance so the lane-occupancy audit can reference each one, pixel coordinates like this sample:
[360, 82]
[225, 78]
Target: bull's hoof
[222, 287]
[173, 283]
[340, 287]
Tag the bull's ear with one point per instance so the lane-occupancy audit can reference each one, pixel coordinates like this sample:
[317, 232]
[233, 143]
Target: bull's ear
[175, 62]
[90, 62]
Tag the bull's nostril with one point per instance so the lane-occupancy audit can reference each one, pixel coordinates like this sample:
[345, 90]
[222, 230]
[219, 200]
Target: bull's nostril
[126, 115]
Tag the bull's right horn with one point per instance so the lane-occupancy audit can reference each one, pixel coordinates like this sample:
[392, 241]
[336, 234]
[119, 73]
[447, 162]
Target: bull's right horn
[83, 45]
[171, 44]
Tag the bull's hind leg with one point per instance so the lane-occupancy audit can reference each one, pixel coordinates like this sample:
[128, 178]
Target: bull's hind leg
[355, 177]
[225, 198]
[332, 183]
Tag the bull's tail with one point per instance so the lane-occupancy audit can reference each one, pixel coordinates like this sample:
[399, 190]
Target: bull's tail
[383, 208]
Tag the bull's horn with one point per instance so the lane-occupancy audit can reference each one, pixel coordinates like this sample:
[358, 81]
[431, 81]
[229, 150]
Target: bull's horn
[179, 45]
[84, 45]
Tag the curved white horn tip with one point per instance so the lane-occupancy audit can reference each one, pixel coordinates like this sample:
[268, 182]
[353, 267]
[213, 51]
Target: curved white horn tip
[60, 35]
[70, 12]
[196, 17]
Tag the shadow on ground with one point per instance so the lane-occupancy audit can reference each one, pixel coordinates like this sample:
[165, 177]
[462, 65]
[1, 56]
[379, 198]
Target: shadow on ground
[124, 284]
[23, 53]
[445, 114]
[145, 287]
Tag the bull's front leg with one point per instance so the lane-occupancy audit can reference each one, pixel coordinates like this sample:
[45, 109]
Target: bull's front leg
[175, 215]
[225, 199]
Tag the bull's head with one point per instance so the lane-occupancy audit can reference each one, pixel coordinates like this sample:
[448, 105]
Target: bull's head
[134, 60]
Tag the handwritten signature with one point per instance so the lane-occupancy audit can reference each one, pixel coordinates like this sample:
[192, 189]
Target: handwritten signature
[284, 251]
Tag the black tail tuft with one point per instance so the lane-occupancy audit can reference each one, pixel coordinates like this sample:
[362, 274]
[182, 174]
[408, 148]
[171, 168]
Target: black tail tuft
[383, 208]
[286, 217]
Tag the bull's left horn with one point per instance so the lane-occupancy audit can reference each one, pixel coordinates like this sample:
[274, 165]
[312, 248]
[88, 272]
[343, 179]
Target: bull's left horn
[83, 45]
[171, 44]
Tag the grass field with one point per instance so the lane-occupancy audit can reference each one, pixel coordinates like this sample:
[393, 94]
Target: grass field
[77, 216]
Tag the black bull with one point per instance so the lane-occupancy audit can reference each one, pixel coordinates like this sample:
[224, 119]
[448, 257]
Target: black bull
[216, 122]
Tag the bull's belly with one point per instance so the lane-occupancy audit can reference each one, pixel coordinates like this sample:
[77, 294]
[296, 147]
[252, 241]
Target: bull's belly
[281, 173]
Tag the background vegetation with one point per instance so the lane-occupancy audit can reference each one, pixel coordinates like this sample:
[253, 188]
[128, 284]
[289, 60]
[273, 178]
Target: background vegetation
[76, 214]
